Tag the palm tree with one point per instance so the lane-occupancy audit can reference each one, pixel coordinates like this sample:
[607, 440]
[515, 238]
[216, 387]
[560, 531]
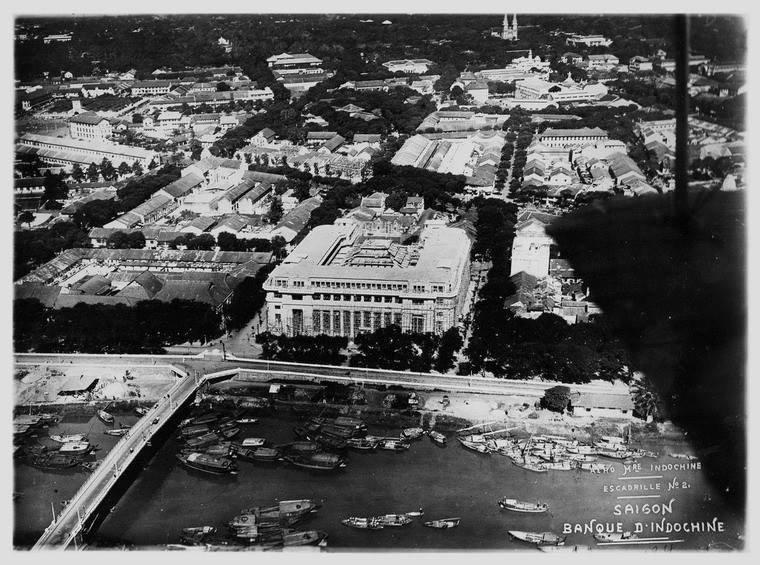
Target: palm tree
[646, 402]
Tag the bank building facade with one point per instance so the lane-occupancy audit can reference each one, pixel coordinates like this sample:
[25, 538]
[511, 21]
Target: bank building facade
[342, 281]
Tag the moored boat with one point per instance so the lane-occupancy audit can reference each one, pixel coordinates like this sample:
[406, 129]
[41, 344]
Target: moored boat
[412, 433]
[105, 416]
[316, 461]
[69, 438]
[531, 466]
[394, 520]
[265, 454]
[246, 420]
[203, 440]
[520, 506]
[117, 431]
[437, 437]
[480, 447]
[208, 463]
[140, 411]
[362, 523]
[683, 456]
[362, 443]
[539, 538]
[80, 447]
[393, 445]
[443, 524]
[207, 418]
[285, 512]
[199, 530]
[564, 465]
[252, 442]
[55, 461]
[415, 513]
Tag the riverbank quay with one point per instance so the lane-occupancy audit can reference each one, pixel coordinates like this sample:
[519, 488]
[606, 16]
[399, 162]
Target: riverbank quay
[124, 381]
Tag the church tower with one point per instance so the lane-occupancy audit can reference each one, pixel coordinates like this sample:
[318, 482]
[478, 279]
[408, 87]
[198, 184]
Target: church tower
[509, 32]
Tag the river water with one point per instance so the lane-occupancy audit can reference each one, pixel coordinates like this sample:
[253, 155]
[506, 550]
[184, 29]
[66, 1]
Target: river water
[445, 481]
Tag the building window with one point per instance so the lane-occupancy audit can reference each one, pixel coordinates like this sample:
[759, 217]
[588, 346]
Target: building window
[418, 324]
[297, 322]
[336, 323]
[346, 323]
[397, 319]
[316, 321]
[367, 321]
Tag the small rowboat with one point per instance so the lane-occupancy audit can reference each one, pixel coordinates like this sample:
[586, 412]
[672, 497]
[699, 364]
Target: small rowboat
[105, 416]
[437, 437]
[443, 524]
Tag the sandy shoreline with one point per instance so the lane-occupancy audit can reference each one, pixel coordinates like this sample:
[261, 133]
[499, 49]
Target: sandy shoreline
[38, 386]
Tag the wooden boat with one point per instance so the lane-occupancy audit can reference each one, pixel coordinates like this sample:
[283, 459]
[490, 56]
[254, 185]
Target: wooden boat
[565, 465]
[222, 449]
[362, 444]
[331, 442]
[683, 456]
[117, 431]
[582, 458]
[437, 437]
[394, 520]
[246, 420]
[69, 438]
[252, 442]
[194, 431]
[317, 461]
[519, 506]
[91, 465]
[539, 538]
[284, 512]
[265, 454]
[531, 466]
[480, 447]
[55, 461]
[393, 445]
[412, 433]
[105, 416]
[619, 454]
[294, 539]
[201, 441]
[80, 447]
[228, 433]
[443, 524]
[199, 530]
[362, 523]
[208, 464]
[207, 418]
[300, 447]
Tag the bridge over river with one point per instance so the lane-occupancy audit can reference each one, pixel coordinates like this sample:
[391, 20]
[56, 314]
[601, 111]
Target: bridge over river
[196, 372]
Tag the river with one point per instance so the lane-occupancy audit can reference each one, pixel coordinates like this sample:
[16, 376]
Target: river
[445, 481]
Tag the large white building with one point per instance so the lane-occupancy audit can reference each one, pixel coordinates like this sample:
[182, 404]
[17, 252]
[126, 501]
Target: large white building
[89, 125]
[341, 281]
[530, 248]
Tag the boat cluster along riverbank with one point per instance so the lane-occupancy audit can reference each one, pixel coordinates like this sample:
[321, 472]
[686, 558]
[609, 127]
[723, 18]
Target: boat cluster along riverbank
[59, 451]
